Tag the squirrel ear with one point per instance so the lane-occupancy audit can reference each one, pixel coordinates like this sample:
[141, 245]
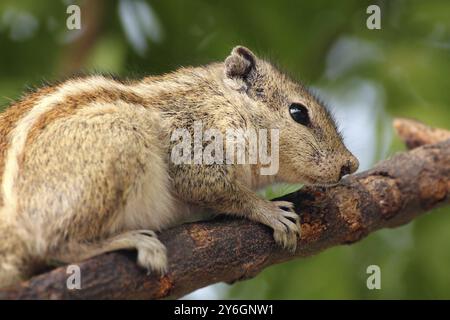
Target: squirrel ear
[239, 63]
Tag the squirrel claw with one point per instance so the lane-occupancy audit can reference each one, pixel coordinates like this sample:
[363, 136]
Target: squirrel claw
[285, 224]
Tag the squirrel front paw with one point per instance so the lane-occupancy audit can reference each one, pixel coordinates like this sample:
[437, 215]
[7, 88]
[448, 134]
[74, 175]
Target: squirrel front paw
[285, 223]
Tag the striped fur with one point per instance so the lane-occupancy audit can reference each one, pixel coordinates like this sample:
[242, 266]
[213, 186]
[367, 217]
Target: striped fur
[85, 167]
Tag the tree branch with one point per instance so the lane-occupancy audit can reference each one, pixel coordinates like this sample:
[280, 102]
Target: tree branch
[415, 133]
[393, 193]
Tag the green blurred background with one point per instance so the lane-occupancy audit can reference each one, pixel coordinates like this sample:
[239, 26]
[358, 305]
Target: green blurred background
[367, 77]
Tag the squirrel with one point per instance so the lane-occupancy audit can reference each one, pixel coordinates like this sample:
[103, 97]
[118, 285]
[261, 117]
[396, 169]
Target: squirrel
[85, 165]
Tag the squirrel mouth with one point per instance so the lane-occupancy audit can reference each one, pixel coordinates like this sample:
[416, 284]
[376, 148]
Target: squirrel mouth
[311, 181]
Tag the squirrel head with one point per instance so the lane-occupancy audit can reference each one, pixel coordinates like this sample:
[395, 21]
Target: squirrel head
[311, 148]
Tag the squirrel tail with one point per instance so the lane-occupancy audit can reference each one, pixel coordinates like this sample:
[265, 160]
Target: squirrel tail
[12, 256]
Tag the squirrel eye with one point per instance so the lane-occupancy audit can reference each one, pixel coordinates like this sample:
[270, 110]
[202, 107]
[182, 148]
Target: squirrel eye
[299, 113]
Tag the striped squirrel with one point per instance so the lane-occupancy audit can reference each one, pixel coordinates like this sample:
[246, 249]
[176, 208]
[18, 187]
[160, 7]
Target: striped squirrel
[85, 165]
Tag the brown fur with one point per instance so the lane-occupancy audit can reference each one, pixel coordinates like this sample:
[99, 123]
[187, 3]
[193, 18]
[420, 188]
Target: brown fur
[74, 103]
[8, 121]
[90, 170]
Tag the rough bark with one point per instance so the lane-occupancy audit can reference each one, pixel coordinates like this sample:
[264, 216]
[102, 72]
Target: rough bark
[393, 193]
[415, 133]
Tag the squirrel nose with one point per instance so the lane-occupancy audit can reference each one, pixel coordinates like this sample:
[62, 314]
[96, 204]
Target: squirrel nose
[349, 167]
[344, 170]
